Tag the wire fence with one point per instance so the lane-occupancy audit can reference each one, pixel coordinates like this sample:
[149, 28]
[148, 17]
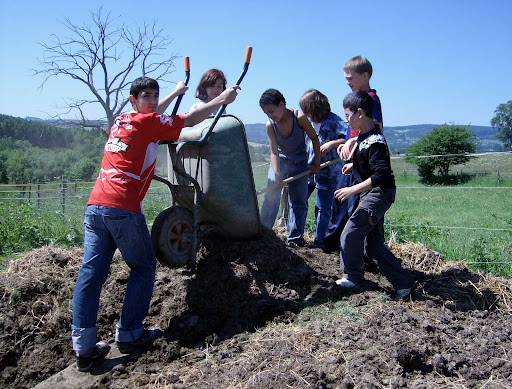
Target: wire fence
[68, 200]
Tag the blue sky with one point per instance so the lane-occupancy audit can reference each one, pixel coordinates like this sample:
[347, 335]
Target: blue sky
[434, 61]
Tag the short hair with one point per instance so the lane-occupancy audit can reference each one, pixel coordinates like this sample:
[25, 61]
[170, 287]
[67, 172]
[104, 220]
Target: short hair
[315, 105]
[209, 79]
[359, 64]
[271, 96]
[359, 99]
[142, 83]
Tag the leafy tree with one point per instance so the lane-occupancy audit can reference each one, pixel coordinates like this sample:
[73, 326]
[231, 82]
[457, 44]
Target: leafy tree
[3, 168]
[33, 151]
[17, 167]
[449, 140]
[502, 121]
[84, 168]
[106, 56]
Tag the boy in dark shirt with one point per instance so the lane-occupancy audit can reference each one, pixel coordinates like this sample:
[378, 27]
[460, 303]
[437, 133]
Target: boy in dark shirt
[374, 181]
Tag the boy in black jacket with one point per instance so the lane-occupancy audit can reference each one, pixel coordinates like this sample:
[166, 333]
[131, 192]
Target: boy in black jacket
[374, 181]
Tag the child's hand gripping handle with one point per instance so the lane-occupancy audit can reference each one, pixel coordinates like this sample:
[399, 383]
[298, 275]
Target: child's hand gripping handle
[187, 78]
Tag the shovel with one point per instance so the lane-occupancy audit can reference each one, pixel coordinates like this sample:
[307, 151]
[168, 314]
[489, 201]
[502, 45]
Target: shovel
[293, 178]
[307, 172]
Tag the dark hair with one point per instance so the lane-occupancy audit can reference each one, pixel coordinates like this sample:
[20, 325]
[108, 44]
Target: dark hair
[315, 105]
[142, 83]
[359, 64]
[271, 96]
[359, 99]
[209, 79]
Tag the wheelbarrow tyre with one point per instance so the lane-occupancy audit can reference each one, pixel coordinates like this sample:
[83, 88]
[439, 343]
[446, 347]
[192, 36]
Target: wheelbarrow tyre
[172, 237]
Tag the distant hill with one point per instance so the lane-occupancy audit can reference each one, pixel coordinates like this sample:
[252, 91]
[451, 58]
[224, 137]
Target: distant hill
[399, 138]
[256, 133]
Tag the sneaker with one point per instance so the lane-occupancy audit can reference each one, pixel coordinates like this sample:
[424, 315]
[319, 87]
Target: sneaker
[316, 245]
[402, 294]
[85, 362]
[345, 283]
[328, 249]
[142, 344]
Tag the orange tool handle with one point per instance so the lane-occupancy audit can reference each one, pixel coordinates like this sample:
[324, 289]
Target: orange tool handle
[248, 54]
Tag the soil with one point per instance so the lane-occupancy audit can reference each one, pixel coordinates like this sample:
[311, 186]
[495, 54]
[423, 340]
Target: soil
[258, 314]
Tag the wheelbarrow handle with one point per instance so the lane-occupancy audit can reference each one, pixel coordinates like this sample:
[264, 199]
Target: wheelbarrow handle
[187, 78]
[206, 135]
[247, 61]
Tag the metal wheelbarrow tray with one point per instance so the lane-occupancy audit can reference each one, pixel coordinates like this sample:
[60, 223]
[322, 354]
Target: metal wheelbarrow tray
[212, 187]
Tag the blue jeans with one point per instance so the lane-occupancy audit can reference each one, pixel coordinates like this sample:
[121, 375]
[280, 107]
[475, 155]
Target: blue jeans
[323, 207]
[105, 230]
[297, 199]
[340, 214]
[364, 234]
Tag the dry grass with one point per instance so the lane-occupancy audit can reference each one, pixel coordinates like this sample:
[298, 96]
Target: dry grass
[493, 292]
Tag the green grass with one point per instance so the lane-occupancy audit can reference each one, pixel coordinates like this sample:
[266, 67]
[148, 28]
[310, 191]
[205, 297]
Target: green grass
[470, 222]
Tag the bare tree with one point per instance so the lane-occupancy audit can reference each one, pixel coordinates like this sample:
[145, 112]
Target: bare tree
[105, 56]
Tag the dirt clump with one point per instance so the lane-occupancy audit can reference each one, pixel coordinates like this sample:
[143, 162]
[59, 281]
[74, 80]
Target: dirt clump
[257, 314]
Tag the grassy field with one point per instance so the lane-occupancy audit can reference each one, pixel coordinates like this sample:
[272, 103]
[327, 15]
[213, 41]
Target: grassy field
[470, 222]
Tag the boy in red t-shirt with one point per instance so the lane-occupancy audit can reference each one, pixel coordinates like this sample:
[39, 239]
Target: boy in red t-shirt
[114, 218]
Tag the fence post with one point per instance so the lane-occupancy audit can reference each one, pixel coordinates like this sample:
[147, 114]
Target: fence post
[64, 187]
[38, 195]
[499, 178]
[29, 192]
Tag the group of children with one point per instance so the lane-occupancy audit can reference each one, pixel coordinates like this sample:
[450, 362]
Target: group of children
[299, 140]
[351, 200]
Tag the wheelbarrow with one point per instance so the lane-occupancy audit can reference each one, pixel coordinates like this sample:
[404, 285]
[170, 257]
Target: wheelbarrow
[212, 188]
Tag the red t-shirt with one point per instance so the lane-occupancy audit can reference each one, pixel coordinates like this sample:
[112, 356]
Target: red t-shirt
[129, 160]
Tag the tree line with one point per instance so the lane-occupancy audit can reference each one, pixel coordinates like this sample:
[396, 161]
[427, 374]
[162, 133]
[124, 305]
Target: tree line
[35, 151]
[32, 151]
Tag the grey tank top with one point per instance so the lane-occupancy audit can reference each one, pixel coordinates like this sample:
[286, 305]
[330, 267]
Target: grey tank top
[294, 145]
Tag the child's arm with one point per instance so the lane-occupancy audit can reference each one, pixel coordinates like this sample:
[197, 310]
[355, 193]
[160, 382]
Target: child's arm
[305, 124]
[347, 168]
[274, 152]
[329, 145]
[164, 103]
[345, 149]
[347, 192]
[200, 113]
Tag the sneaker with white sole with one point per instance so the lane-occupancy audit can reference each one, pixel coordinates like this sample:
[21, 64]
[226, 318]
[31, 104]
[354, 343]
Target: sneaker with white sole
[345, 283]
[85, 362]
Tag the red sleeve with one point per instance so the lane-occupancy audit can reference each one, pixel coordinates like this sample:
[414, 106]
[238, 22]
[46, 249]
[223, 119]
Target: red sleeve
[162, 127]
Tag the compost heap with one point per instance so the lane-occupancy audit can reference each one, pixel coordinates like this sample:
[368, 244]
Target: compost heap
[258, 314]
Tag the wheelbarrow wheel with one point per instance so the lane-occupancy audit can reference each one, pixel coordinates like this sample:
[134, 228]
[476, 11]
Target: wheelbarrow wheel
[172, 237]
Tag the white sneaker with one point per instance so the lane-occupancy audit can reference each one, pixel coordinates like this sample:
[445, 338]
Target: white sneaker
[345, 283]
